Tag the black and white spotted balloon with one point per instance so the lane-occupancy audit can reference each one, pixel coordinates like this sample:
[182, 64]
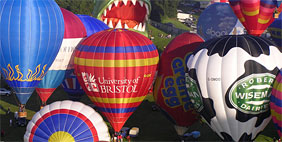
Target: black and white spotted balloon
[230, 80]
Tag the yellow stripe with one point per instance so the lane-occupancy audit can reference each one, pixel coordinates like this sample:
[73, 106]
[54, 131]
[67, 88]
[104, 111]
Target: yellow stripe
[116, 63]
[117, 100]
[262, 21]
[242, 19]
[252, 13]
[276, 115]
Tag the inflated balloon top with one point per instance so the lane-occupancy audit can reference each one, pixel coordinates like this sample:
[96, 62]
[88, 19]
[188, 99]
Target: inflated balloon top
[230, 79]
[92, 25]
[66, 121]
[115, 68]
[74, 33]
[74, 27]
[31, 36]
[255, 15]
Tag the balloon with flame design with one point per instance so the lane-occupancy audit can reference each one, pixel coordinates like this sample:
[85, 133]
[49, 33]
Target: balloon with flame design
[115, 68]
[74, 33]
[31, 36]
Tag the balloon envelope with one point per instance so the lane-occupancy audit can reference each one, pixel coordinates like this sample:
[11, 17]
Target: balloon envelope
[170, 91]
[275, 30]
[66, 121]
[255, 15]
[230, 81]
[116, 68]
[72, 87]
[92, 25]
[276, 103]
[74, 33]
[217, 20]
[31, 35]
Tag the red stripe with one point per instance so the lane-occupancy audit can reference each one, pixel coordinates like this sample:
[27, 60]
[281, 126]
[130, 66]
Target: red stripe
[117, 56]
[277, 93]
[111, 38]
[64, 111]
[117, 120]
[123, 105]
[276, 108]
[279, 123]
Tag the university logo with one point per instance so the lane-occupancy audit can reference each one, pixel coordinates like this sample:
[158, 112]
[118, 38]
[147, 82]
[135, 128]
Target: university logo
[251, 94]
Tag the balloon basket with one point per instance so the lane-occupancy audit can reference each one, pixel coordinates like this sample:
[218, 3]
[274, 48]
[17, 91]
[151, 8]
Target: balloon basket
[22, 114]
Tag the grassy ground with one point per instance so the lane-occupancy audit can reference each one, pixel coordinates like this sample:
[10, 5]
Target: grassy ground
[153, 124]
[176, 23]
[159, 41]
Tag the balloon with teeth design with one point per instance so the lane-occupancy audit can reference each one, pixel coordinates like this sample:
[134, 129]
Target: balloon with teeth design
[230, 81]
[127, 14]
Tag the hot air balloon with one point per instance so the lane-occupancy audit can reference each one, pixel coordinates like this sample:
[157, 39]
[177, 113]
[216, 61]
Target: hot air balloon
[230, 79]
[255, 15]
[218, 20]
[31, 35]
[92, 25]
[170, 91]
[275, 30]
[115, 68]
[66, 121]
[72, 87]
[276, 103]
[74, 33]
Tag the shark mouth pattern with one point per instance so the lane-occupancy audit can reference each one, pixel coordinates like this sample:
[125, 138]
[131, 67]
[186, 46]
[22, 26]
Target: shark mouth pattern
[127, 14]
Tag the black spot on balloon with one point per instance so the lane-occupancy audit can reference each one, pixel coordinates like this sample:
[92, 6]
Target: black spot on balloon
[226, 136]
[208, 111]
[246, 138]
[254, 46]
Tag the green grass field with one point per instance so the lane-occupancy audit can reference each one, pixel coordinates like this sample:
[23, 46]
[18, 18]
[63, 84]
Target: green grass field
[153, 125]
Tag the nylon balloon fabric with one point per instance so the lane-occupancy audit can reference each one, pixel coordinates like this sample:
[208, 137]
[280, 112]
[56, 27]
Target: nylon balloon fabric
[74, 33]
[275, 30]
[66, 121]
[170, 92]
[31, 36]
[231, 80]
[72, 87]
[115, 68]
[92, 25]
[276, 103]
[255, 15]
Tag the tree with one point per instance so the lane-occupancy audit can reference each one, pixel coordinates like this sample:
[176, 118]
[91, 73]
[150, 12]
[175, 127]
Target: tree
[77, 6]
[163, 8]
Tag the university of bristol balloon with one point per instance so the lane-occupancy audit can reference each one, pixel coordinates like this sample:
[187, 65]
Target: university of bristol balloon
[115, 68]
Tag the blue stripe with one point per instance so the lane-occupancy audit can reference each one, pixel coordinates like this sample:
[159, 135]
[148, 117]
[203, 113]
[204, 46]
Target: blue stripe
[127, 49]
[63, 122]
[276, 101]
[117, 110]
[277, 127]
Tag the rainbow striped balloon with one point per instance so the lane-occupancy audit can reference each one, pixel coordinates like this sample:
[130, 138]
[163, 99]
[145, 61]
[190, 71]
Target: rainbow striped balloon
[115, 68]
[255, 15]
[276, 103]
